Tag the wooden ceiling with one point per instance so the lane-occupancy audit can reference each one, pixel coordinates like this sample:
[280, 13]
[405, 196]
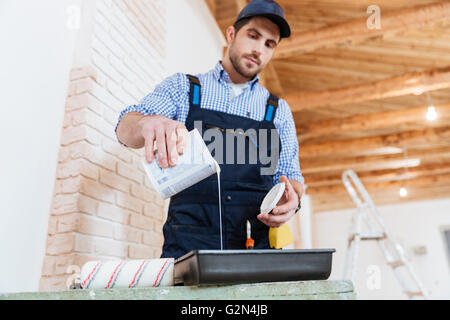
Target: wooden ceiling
[359, 96]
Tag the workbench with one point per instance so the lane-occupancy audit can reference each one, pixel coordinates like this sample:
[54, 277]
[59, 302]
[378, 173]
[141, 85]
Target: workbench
[298, 290]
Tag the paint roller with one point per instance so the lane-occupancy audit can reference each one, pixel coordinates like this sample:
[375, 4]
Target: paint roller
[127, 274]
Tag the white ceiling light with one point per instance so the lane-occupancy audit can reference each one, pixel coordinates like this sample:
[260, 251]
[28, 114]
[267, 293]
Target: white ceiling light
[431, 113]
[403, 192]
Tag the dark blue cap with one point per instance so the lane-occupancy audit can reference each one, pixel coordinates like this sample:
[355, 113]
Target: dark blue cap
[269, 9]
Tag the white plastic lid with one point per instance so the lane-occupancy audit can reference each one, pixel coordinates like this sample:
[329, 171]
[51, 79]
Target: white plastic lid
[271, 199]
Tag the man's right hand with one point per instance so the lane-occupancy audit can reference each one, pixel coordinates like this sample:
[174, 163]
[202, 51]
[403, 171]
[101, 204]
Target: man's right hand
[171, 138]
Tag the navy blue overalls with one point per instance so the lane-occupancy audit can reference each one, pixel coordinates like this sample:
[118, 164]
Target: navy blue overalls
[193, 216]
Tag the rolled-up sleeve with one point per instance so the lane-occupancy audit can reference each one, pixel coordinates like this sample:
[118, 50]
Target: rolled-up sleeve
[288, 163]
[164, 100]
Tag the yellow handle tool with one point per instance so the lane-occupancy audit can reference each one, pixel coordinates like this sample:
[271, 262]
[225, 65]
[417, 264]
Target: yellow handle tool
[280, 237]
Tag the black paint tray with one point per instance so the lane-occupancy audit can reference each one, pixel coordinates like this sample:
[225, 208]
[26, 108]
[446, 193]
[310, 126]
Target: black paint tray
[249, 266]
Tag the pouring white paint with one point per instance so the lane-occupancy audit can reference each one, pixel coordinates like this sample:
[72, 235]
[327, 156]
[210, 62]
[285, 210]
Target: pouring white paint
[220, 204]
[194, 165]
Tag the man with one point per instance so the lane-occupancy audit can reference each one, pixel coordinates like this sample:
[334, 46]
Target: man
[229, 97]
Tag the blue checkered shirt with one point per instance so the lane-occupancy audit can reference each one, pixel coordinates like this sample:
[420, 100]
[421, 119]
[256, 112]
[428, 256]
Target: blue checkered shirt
[171, 99]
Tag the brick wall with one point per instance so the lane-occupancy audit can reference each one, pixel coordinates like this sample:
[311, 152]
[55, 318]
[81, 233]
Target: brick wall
[103, 205]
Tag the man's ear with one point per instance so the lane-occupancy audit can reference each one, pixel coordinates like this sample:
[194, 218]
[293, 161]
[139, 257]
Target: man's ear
[230, 34]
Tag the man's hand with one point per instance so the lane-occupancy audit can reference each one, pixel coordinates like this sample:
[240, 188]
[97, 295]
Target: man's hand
[171, 138]
[285, 208]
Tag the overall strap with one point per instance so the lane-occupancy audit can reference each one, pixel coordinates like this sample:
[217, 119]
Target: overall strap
[194, 91]
[271, 107]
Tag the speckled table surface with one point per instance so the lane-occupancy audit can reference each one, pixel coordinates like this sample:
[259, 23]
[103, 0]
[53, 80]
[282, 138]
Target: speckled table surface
[299, 290]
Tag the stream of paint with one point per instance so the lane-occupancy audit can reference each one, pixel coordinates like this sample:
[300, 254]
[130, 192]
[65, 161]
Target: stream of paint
[220, 204]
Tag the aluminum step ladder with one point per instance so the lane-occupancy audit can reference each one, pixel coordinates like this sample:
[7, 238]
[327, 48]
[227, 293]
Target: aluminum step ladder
[393, 252]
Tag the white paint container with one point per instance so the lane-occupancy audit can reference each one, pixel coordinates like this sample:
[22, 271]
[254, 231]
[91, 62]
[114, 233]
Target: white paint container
[194, 165]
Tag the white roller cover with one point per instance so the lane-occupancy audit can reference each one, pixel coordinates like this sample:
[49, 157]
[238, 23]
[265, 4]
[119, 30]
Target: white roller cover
[127, 274]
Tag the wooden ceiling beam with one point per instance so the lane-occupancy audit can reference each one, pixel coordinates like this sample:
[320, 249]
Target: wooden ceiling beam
[370, 163]
[370, 122]
[341, 166]
[271, 80]
[375, 145]
[402, 85]
[356, 30]
[240, 4]
[380, 56]
[427, 181]
[319, 180]
[339, 201]
[212, 7]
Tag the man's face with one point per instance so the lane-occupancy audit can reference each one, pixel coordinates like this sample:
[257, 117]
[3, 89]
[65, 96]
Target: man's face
[253, 46]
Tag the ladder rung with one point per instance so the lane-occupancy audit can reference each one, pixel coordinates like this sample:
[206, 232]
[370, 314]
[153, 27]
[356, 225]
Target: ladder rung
[396, 263]
[368, 236]
[413, 293]
[374, 236]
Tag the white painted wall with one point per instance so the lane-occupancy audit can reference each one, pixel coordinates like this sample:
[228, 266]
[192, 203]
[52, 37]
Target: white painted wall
[413, 224]
[194, 40]
[35, 61]
[38, 52]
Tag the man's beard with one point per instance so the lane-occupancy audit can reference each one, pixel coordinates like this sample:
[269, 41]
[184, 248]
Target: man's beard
[234, 58]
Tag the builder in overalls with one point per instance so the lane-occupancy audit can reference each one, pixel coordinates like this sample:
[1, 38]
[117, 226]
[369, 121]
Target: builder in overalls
[230, 99]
